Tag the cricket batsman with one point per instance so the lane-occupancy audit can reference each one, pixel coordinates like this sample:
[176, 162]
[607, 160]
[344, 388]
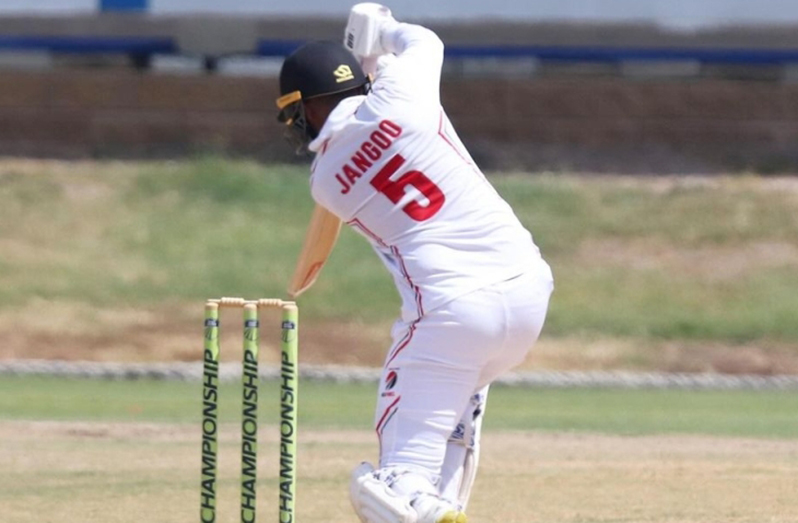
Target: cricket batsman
[473, 285]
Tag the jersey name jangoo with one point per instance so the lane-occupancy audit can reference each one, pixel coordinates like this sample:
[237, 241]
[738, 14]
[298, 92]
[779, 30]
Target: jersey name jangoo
[369, 152]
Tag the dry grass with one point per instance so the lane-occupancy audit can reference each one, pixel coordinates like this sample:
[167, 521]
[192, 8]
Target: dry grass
[109, 261]
[709, 263]
[115, 472]
[606, 354]
[45, 329]
[73, 331]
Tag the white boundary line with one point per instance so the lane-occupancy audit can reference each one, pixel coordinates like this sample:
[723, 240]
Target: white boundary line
[541, 379]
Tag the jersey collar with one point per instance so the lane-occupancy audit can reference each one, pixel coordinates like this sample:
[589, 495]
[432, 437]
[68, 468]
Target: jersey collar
[337, 121]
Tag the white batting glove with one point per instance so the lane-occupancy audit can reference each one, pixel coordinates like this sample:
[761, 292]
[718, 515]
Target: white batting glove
[363, 32]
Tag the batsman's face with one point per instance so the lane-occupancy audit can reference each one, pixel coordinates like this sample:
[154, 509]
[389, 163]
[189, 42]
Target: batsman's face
[292, 114]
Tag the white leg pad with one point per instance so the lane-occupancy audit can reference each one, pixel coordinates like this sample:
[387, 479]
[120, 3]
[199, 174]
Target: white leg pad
[375, 502]
[469, 475]
[462, 453]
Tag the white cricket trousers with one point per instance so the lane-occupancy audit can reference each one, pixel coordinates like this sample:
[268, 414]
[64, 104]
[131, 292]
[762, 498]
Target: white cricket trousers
[436, 363]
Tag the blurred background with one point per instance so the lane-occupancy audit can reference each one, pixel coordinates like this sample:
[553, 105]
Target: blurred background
[650, 147]
[616, 86]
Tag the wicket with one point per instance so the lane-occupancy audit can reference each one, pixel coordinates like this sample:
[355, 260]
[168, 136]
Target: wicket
[249, 407]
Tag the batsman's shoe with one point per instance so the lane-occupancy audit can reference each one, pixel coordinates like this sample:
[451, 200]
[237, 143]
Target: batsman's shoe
[375, 502]
[432, 509]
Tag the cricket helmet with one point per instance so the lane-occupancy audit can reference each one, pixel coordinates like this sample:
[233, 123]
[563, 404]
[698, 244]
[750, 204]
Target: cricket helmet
[316, 69]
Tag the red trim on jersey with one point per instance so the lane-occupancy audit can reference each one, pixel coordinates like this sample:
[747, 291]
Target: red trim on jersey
[357, 223]
[416, 290]
[395, 251]
[403, 343]
[446, 139]
[386, 416]
[384, 419]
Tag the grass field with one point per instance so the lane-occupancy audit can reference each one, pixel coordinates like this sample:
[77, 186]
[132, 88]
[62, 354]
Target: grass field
[111, 261]
[79, 450]
[765, 414]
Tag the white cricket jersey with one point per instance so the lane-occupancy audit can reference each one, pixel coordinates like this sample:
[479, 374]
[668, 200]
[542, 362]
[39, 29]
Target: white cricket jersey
[390, 165]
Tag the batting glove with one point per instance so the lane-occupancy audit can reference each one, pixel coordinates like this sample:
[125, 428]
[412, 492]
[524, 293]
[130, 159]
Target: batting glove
[364, 29]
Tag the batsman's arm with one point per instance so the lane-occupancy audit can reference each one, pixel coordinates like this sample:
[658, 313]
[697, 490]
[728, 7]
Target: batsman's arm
[320, 238]
[414, 75]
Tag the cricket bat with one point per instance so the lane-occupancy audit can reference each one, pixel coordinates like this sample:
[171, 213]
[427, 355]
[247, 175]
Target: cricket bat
[320, 238]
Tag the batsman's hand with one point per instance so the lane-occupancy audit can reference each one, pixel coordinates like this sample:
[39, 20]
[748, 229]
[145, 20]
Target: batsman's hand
[363, 33]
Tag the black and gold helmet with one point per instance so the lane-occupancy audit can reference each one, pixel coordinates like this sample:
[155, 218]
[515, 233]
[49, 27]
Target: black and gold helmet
[316, 69]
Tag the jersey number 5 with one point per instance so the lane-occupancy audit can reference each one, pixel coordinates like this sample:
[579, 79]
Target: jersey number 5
[395, 189]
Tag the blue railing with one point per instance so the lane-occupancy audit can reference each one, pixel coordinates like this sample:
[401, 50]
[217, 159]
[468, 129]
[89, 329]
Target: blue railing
[277, 48]
[138, 46]
[620, 54]
[605, 54]
[148, 46]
